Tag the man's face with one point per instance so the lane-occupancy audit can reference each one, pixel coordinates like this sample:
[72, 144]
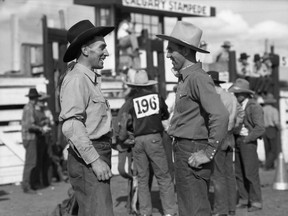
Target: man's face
[174, 53]
[97, 52]
[241, 97]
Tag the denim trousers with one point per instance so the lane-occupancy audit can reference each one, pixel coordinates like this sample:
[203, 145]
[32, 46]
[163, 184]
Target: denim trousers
[247, 172]
[30, 162]
[149, 149]
[192, 184]
[93, 196]
[223, 178]
[271, 145]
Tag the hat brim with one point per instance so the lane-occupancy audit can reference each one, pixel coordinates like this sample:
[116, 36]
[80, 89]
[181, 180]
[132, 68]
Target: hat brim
[183, 43]
[219, 81]
[33, 96]
[239, 90]
[73, 49]
[149, 83]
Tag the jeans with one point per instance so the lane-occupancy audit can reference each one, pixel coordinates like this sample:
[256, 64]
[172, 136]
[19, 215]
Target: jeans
[247, 172]
[224, 181]
[30, 163]
[271, 146]
[149, 149]
[191, 183]
[167, 144]
[93, 196]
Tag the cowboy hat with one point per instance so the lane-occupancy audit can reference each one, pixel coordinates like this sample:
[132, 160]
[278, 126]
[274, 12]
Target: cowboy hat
[185, 34]
[215, 76]
[269, 99]
[226, 44]
[141, 79]
[241, 86]
[79, 34]
[33, 93]
[243, 56]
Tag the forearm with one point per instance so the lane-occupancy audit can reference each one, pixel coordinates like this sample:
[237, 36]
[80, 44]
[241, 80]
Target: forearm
[75, 131]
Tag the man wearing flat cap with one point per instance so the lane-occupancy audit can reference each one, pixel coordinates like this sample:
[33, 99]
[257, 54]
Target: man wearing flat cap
[199, 122]
[86, 120]
[246, 158]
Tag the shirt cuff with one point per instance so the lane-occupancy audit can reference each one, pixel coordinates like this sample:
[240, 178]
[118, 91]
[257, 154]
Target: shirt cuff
[90, 155]
[211, 149]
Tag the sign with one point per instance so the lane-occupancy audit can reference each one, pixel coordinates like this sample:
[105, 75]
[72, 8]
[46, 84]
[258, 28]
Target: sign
[176, 6]
[146, 105]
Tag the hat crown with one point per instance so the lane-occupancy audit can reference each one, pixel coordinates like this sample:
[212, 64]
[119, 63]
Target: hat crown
[187, 32]
[226, 44]
[243, 56]
[242, 84]
[214, 75]
[33, 93]
[141, 77]
[78, 29]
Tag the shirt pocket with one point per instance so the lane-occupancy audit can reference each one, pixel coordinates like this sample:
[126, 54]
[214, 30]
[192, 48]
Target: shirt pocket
[100, 104]
[183, 103]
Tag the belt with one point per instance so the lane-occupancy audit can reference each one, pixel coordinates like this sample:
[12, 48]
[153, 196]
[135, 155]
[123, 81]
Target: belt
[104, 138]
[196, 140]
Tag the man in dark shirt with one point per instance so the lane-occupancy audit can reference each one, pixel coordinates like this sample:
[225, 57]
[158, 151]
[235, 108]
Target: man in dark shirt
[148, 109]
[199, 122]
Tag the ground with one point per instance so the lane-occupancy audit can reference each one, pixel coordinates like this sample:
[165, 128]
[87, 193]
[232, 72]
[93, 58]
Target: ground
[14, 203]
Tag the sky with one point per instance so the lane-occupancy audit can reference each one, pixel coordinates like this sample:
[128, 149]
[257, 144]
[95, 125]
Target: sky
[246, 23]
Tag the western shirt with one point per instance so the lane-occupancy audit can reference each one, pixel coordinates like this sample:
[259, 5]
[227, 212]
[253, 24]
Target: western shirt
[271, 116]
[199, 112]
[244, 130]
[84, 112]
[29, 123]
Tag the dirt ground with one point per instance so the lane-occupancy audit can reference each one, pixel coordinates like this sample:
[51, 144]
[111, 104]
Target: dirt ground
[14, 203]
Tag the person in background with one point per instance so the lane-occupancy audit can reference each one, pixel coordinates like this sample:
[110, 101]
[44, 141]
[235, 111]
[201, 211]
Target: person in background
[272, 128]
[87, 120]
[30, 130]
[243, 66]
[259, 68]
[199, 121]
[126, 36]
[167, 140]
[148, 109]
[223, 55]
[223, 176]
[246, 158]
[202, 57]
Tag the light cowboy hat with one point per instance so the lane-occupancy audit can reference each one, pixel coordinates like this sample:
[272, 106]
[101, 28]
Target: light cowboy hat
[79, 34]
[269, 99]
[241, 86]
[185, 34]
[226, 44]
[141, 79]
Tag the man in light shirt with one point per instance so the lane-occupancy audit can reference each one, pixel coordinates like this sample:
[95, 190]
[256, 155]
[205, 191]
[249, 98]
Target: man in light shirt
[246, 158]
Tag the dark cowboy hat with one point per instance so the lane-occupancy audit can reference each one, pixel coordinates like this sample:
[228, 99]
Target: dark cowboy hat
[33, 93]
[226, 44]
[79, 34]
[243, 56]
[141, 79]
[215, 76]
[241, 86]
[257, 58]
[185, 34]
[269, 99]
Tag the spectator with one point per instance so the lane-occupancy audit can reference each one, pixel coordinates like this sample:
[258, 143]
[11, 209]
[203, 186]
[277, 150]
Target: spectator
[243, 67]
[272, 128]
[199, 122]
[223, 176]
[223, 55]
[246, 158]
[30, 129]
[259, 68]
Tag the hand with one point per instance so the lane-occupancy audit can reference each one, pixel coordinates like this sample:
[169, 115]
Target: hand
[45, 129]
[101, 170]
[197, 159]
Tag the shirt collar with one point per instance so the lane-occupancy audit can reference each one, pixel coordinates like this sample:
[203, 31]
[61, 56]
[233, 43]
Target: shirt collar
[90, 74]
[187, 71]
[244, 103]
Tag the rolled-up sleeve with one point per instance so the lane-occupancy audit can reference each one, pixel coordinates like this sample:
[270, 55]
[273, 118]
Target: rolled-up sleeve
[74, 98]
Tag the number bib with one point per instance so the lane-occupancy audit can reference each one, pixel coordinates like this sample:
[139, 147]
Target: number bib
[146, 105]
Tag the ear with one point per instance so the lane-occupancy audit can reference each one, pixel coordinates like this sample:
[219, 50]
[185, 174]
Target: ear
[84, 50]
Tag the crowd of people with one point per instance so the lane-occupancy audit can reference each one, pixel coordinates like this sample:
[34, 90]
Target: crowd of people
[188, 144]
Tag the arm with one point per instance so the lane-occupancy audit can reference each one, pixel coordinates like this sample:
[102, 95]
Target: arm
[258, 122]
[203, 89]
[164, 109]
[28, 120]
